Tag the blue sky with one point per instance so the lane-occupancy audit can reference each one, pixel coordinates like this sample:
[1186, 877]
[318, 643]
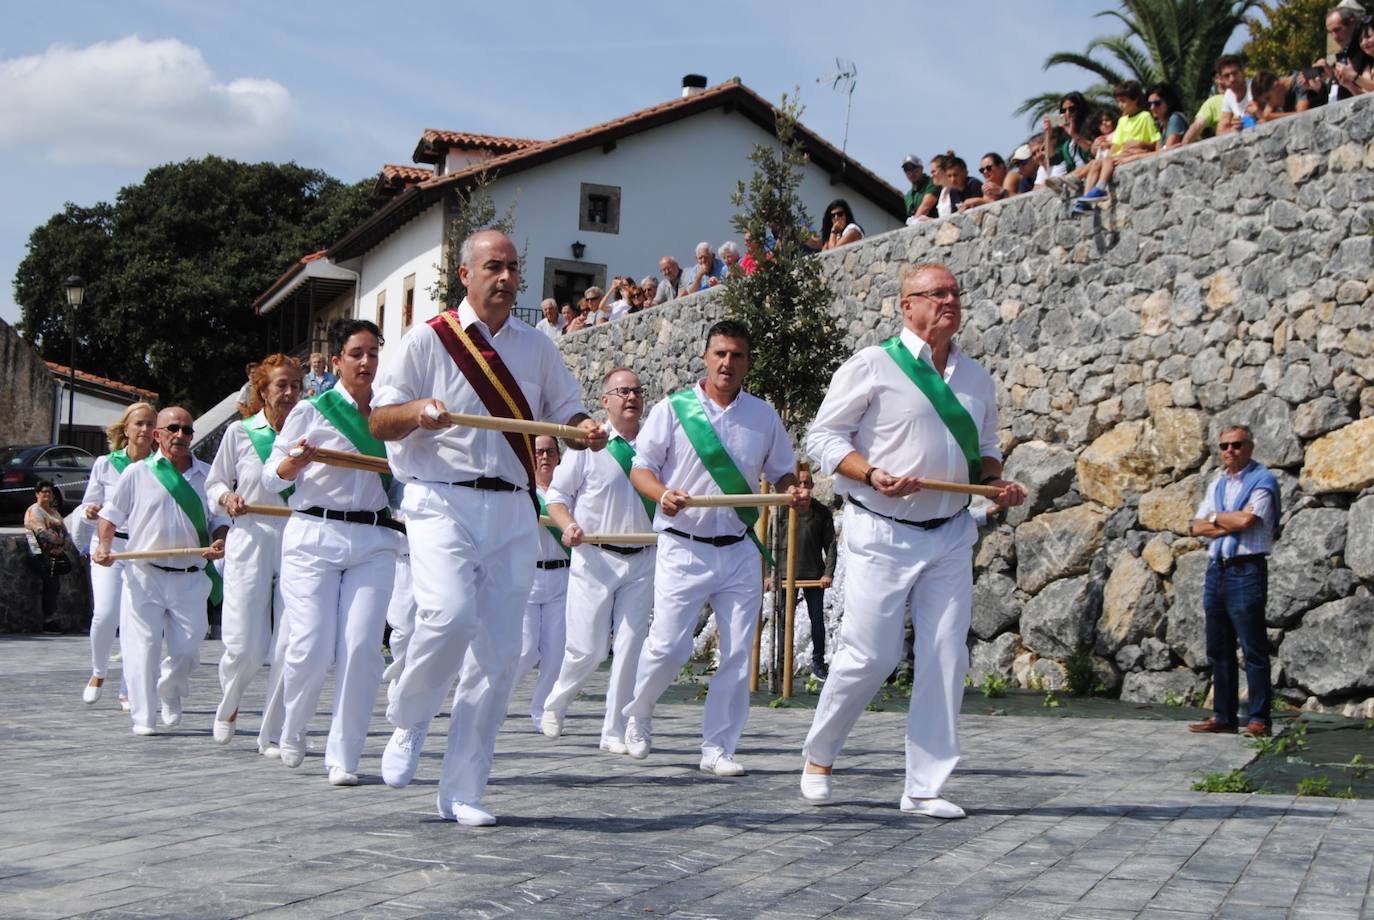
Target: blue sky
[92, 94]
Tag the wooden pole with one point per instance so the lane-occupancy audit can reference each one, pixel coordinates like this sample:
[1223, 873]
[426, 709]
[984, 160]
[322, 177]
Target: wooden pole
[738, 501]
[267, 510]
[519, 426]
[761, 531]
[159, 553]
[790, 608]
[347, 460]
[963, 488]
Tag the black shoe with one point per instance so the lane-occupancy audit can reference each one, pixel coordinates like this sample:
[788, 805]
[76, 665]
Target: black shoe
[819, 670]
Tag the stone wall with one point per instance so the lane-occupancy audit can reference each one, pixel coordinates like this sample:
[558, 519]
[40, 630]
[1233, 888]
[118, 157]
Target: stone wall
[1229, 280]
[21, 609]
[26, 399]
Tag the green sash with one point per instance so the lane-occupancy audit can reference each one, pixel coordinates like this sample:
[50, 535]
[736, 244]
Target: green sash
[952, 412]
[189, 501]
[557, 534]
[119, 459]
[262, 437]
[624, 453]
[715, 458]
[344, 416]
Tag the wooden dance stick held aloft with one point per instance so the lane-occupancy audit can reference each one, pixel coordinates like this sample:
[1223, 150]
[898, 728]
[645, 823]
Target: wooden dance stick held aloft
[267, 510]
[159, 553]
[518, 426]
[346, 460]
[738, 501]
[963, 488]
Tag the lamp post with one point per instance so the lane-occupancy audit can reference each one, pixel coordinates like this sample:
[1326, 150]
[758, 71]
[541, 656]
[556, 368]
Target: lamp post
[76, 292]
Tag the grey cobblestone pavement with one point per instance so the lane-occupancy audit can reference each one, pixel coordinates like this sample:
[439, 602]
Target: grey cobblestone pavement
[1068, 818]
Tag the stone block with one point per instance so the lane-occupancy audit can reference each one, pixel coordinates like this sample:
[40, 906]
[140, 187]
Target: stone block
[993, 658]
[1157, 554]
[1342, 461]
[996, 606]
[1332, 652]
[1046, 471]
[1185, 628]
[1059, 620]
[1119, 463]
[1058, 544]
[1359, 538]
[1161, 686]
[1318, 416]
[1132, 605]
[1172, 507]
[1302, 569]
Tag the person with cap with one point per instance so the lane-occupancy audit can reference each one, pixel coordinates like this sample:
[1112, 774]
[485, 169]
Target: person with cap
[921, 184]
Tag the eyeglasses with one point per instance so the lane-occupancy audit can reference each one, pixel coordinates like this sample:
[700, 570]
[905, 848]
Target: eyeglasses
[625, 392]
[180, 429]
[1231, 445]
[937, 294]
[1068, 107]
[1156, 103]
[987, 168]
[540, 451]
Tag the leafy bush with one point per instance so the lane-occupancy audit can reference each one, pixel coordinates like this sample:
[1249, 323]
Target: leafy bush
[1234, 781]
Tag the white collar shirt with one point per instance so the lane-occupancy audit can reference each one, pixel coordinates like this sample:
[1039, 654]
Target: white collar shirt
[142, 507]
[873, 407]
[753, 436]
[421, 368]
[237, 467]
[595, 489]
[99, 488]
[550, 547]
[319, 485]
[1253, 541]
[551, 330]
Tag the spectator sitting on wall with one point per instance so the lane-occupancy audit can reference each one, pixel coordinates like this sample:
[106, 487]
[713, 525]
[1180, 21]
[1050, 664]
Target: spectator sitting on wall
[672, 280]
[590, 304]
[617, 303]
[1236, 95]
[1355, 75]
[1136, 135]
[318, 378]
[1344, 26]
[921, 184]
[572, 319]
[245, 397]
[551, 325]
[841, 228]
[729, 254]
[710, 271]
[1273, 97]
[1208, 114]
[648, 289]
[958, 185]
[1164, 107]
[1067, 142]
[752, 254]
[1024, 165]
[998, 183]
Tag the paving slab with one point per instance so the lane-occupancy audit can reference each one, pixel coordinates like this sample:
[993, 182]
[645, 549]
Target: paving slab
[1068, 818]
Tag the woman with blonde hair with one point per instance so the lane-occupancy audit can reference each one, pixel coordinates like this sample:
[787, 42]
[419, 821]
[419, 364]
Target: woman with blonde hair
[130, 440]
[252, 551]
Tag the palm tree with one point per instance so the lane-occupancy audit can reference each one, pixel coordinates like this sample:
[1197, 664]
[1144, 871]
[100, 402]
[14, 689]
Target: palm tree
[1171, 41]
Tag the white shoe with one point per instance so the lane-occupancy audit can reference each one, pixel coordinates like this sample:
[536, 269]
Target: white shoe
[614, 746]
[464, 814]
[270, 751]
[171, 713]
[931, 808]
[124, 703]
[721, 764]
[638, 739]
[401, 758]
[144, 730]
[338, 776]
[90, 693]
[551, 724]
[292, 752]
[222, 731]
[815, 787]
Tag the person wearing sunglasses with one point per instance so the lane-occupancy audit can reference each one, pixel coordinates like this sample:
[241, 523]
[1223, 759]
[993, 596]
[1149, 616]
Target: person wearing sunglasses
[1135, 135]
[1068, 136]
[1237, 513]
[160, 503]
[840, 226]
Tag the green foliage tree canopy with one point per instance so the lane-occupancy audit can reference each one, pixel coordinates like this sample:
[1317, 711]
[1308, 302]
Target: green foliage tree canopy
[1291, 35]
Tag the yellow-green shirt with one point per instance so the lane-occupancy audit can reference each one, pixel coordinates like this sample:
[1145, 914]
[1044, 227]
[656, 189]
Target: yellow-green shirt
[1138, 127]
[1210, 110]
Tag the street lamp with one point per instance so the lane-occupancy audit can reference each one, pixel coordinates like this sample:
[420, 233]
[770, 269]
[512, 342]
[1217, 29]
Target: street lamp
[76, 292]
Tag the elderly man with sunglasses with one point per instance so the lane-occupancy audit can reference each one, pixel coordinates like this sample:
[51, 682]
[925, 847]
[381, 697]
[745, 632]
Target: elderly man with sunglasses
[1238, 514]
[160, 503]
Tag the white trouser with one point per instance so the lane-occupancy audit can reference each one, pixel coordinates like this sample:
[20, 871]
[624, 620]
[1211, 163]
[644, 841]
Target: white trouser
[400, 613]
[336, 578]
[688, 575]
[273, 703]
[542, 635]
[252, 605]
[892, 566]
[160, 605]
[472, 563]
[107, 590]
[606, 592]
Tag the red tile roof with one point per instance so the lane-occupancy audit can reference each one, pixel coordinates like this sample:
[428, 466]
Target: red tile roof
[395, 178]
[434, 143]
[286, 277]
[65, 372]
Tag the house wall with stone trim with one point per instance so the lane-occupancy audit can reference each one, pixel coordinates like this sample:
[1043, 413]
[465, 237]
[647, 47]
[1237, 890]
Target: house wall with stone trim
[1231, 280]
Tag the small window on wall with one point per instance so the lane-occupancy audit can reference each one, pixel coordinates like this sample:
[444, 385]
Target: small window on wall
[381, 311]
[407, 302]
[599, 208]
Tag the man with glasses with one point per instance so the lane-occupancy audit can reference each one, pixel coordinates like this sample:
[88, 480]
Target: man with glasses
[611, 589]
[1238, 513]
[911, 408]
[160, 503]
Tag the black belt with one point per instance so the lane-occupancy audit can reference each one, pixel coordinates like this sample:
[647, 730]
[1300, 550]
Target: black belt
[489, 484]
[924, 525]
[122, 536]
[1239, 560]
[381, 518]
[172, 568]
[714, 541]
[621, 550]
[552, 564]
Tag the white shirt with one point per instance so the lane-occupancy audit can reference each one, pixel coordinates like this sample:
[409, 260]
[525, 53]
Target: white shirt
[99, 488]
[236, 468]
[552, 330]
[620, 309]
[597, 492]
[1229, 103]
[873, 407]
[320, 485]
[1253, 541]
[550, 547]
[422, 368]
[753, 436]
[142, 507]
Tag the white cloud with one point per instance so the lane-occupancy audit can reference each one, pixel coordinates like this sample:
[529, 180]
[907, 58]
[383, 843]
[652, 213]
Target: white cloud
[133, 102]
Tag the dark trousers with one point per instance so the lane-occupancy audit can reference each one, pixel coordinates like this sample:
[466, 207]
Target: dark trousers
[41, 565]
[815, 609]
[1233, 599]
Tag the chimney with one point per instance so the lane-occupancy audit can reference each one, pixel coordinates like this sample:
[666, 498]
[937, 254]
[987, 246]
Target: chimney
[692, 84]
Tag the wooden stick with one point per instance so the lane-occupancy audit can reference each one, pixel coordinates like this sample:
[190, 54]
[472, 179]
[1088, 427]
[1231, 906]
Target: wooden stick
[519, 426]
[808, 583]
[348, 460]
[963, 488]
[621, 539]
[790, 603]
[159, 553]
[760, 531]
[267, 510]
[737, 501]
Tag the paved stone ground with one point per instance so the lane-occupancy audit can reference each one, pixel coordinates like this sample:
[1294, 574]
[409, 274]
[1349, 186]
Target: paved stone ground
[1068, 818]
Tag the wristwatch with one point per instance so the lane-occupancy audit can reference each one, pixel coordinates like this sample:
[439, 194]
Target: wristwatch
[1212, 519]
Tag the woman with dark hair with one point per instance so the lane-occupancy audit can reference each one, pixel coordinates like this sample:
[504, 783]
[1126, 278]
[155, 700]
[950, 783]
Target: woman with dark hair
[1164, 107]
[338, 556]
[1069, 136]
[1356, 74]
[841, 229]
[998, 182]
[49, 534]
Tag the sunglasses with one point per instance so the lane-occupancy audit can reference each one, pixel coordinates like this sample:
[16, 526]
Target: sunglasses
[986, 168]
[1156, 103]
[1231, 445]
[180, 429]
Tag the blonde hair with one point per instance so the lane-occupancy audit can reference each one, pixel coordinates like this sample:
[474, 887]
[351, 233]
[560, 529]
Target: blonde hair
[263, 373]
[114, 433]
[911, 271]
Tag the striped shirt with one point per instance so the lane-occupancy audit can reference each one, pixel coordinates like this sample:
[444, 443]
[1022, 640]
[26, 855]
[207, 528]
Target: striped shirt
[1254, 541]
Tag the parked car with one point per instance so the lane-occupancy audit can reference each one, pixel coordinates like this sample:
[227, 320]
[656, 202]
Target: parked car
[21, 467]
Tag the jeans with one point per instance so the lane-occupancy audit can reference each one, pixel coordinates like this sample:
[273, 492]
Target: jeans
[815, 609]
[1233, 599]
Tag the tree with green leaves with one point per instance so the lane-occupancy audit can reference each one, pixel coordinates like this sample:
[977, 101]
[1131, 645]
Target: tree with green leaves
[471, 209]
[172, 269]
[1291, 35]
[1165, 41]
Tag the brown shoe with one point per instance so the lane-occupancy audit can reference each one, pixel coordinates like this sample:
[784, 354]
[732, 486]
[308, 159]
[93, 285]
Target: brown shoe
[1212, 727]
[1256, 729]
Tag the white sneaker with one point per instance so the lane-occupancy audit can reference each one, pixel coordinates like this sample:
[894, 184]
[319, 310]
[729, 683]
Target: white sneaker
[465, 814]
[222, 731]
[171, 713]
[638, 739]
[551, 724]
[931, 808]
[270, 751]
[401, 758]
[614, 745]
[144, 730]
[721, 764]
[90, 693]
[815, 787]
[292, 751]
[124, 703]
[338, 776]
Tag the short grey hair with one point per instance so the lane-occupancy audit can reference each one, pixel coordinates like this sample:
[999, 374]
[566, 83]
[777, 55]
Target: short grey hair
[648, 279]
[469, 243]
[703, 246]
[1243, 429]
[548, 302]
[1349, 16]
[730, 247]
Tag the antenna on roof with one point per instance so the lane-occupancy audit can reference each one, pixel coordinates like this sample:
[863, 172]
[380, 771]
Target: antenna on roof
[842, 81]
